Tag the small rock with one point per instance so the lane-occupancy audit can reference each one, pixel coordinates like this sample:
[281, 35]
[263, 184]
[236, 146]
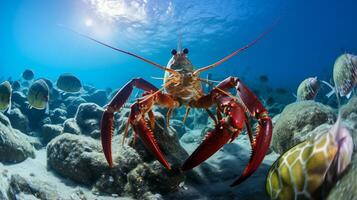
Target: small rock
[88, 118]
[50, 131]
[58, 116]
[33, 187]
[18, 120]
[72, 104]
[179, 127]
[153, 178]
[76, 157]
[71, 126]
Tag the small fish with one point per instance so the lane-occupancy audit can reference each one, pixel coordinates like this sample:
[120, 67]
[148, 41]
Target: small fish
[16, 85]
[309, 168]
[28, 75]
[5, 96]
[345, 74]
[38, 95]
[281, 91]
[309, 88]
[263, 78]
[69, 83]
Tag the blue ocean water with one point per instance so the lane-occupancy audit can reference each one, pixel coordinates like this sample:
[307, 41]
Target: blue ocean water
[305, 42]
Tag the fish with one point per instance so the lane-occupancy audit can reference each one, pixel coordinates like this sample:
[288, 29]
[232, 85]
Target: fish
[38, 95]
[263, 78]
[309, 88]
[28, 75]
[345, 75]
[69, 83]
[308, 169]
[5, 96]
[281, 91]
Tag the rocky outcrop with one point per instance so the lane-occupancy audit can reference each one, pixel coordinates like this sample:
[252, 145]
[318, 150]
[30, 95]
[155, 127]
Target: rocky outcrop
[72, 104]
[135, 172]
[50, 131]
[88, 118]
[297, 120]
[13, 147]
[71, 126]
[58, 116]
[76, 157]
[153, 178]
[21, 188]
[18, 120]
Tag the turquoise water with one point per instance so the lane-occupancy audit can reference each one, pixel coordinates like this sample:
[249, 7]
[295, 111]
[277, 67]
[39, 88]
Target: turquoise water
[305, 42]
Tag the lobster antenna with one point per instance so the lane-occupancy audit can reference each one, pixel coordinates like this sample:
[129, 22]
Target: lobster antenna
[237, 51]
[179, 43]
[122, 51]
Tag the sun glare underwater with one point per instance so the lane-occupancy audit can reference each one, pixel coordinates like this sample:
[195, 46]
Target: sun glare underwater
[156, 99]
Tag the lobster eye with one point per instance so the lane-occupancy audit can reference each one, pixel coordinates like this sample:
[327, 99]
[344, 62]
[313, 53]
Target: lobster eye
[173, 52]
[185, 51]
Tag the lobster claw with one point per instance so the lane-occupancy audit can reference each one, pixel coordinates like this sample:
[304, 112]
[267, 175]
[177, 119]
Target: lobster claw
[213, 141]
[259, 149]
[227, 129]
[260, 144]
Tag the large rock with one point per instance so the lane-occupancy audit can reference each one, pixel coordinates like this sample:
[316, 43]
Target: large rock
[154, 178]
[13, 147]
[50, 131]
[76, 157]
[18, 120]
[58, 116]
[72, 104]
[81, 159]
[88, 118]
[297, 120]
[125, 160]
[21, 188]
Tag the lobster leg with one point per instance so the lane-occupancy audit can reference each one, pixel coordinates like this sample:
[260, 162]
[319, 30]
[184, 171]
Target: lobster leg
[145, 128]
[231, 124]
[107, 123]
